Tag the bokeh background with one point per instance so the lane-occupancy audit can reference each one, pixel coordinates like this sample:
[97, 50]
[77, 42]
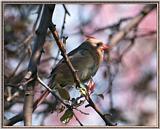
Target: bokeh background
[127, 78]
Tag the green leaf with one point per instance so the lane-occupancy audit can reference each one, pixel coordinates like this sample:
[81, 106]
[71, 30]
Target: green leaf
[67, 116]
[83, 89]
[63, 93]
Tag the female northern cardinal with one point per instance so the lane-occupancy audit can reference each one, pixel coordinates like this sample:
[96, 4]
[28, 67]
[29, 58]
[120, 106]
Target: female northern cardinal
[85, 59]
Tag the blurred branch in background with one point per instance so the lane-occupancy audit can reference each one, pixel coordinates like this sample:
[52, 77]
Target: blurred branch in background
[34, 62]
[132, 24]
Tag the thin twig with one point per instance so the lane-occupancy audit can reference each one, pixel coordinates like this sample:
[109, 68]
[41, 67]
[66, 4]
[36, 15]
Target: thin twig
[78, 119]
[20, 62]
[132, 23]
[62, 30]
[150, 33]
[64, 20]
[66, 10]
[58, 98]
[81, 111]
[27, 40]
[50, 90]
[114, 27]
[38, 16]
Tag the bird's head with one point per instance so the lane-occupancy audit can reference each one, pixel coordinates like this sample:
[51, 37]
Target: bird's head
[97, 44]
[96, 47]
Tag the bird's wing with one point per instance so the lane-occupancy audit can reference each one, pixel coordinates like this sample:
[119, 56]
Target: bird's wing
[75, 56]
[70, 54]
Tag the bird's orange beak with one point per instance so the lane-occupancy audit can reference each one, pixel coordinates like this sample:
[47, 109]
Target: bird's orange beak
[105, 47]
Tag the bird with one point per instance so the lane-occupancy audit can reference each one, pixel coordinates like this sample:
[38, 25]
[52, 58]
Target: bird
[85, 59]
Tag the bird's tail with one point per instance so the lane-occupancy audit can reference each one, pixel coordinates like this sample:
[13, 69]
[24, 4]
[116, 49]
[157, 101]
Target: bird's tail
[43, 96]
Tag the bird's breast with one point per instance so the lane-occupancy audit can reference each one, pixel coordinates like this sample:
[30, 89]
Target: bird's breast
[83, 61]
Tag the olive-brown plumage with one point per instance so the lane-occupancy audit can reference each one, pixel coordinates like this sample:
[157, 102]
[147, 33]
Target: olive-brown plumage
[85, 59]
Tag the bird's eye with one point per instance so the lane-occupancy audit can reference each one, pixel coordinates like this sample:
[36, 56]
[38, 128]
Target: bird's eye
[99, 44]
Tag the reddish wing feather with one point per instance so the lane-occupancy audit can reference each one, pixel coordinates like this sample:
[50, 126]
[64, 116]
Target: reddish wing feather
[87, 36]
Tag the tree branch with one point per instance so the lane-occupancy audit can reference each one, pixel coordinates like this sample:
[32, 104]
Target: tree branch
[59, 99]
[34, 61]
[133, 23]
[64, 54]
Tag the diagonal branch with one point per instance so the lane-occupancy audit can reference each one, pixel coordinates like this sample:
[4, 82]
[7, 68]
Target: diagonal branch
[64, 54]
[133, 23]
[59, 99]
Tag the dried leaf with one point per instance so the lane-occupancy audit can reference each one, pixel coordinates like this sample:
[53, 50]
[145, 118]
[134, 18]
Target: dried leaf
[91, 86]
[60, 109]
